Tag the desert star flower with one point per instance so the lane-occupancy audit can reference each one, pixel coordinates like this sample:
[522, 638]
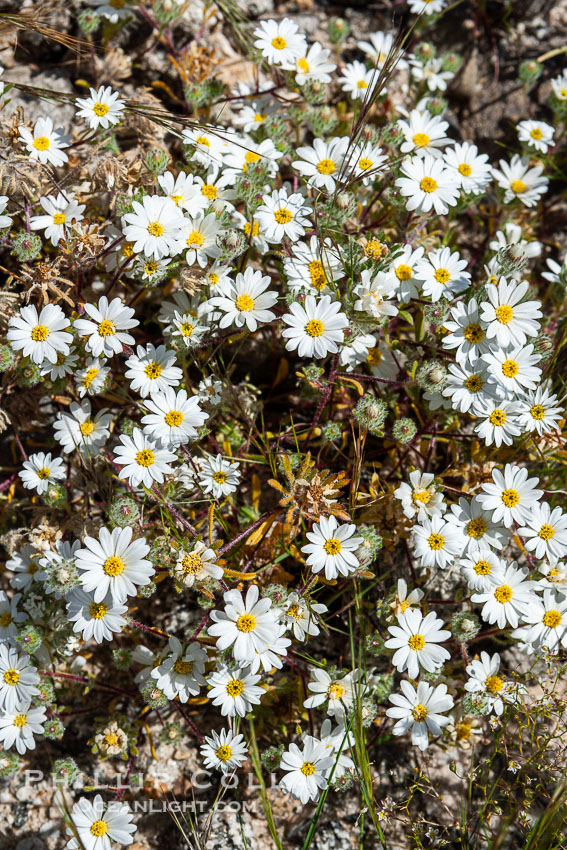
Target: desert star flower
[200, 239]
[428, 185]
[181, 673]
[280, 42]
[81, 429]
[510, 320]
[247, 625]
[436, 542]
[306, 770]
[545, 531]
[18, 679]
[509, 595]
[476, 526]
[155, 227]
[337, 693]
[515, 368]
[536, 134]
[519, 181]
[357, 80]
[152, 370]
[415, 640]
[332, 548]
[19, 727]
[282, 215]
[500, 422]
[40, 336]
[143, 460]
[442, 274]
[245, 300]
[374, 293]
[45, 144]
[107, 326]
[467, 333]
[225, 751]
[547, 622]
[420, 498]
[321, 164]
[41, 471]
[315, 328]
[510, 496]
[471, 170]
[484, 679]
[424, 134]
[102, 109]
[114, 563]
[537, 411]
[60, 213]
[96, 620]
[218, 477]
[235, 690]
[314, 65]
[97, 824]
[196, 564]
[173, 418]
[420, 710]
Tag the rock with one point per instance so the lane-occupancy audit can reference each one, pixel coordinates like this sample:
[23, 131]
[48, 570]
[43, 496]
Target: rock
[34, 108]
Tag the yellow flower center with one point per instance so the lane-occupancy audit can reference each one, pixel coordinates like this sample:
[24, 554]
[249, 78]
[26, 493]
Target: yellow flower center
[192, 564]
[252, 157]
[303, 65]
[97, 610]
[416, 642]
[235, 687]
[317, 274]
[494, 685]
[224, 753]
[151, 267]
[503, 593]
[155, 228]
[100, 109]
[145, 457]
[202, 140]
[464, 169]
[364, 163]
[43, 473]
[219, 477]
[113, 566]
[308, 768]
[187, 329]
[476, 528]
[41, 143]
[482, 568]
[59, 218]
[183, 667]
[473, 333]
[111, 739]
[463, 731]
[314, 327]
[283, 216]
[510, 368]
[279, 43]
[536, 134]
[213, 279]
[5, 619]
[177, 199]
[20, 720]
[497, 418]
[332, 546]
[474, 383]
[100, 827]
[260, 117]
[552, 619]
[40, 333]
[442, 275]
[419, 712]
[87, 427]
[421, 140]
[246, 623]
[537, 411]
[436, 541]
[504, 314]
[128, 249]
[362, 84]
[173, 418]
[546, 532]
[326, 166]
[335, 691]
[244, 303]
[106, 328]
[209, 191]
[428, 184]
[518, 186]
[89, 377]
[253, 228]
[195, 239]
[153, 370]
[403, 272]
[374, 357]
[421, 497]
[11, 677]
[375, 249]
[294, 611]
[510, 498]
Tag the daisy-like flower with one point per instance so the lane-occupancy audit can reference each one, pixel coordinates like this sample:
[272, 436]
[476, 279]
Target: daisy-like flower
[401, 273]
[476, 526]
[142, 459]
[19, 727]
[419, 498]
[511, 238]
[82, 430]
[224, 752]
[39, 337]
[547, 621]
[378, 48]
[185, 191]
[515, 369]
[98, 620]
[64, 365]
[210, 390]
[91, 379]
[510, 496]
[151, 370]
[25, 567]
[61, 212]
[247, 625]
[173, 418]
[427, 7]
[436, 542]
[307, 769]
[420, 710]
[107, 326]
[537, 411]
[314, 66]
[280, 42]
[283, 215]
[500, 423]
[245, 301]
[181, 673]
[557, 272]
[338, 693]
[536, 134]
[315, 327]
[357, 80]
[300, 616]
[416, 640]
[218, 477]
[155, 227]
[18, 679]
[102, 109]
[484, 679]
[200, 238]
[313, 267]
[187, 330]
[332, 547]
[479, 567]
[467, 386]
[114, 563]
[356, 351]
[545, 531]
[58, 569]
[428, 185]
[510, 320]
[338, 741]
[248, 152]
[364, 163]
[5, 220]
[236, 690]
[519, 181]
[470, 169]
[559, 86]
[10, 616]
[195, 564]
[424, 134]
[509, 596]
[373, 294]
[442, 274]
[431, 73]
[467, 333]
[321, 164]
[97, 824]
[40, 471]
[45, 144]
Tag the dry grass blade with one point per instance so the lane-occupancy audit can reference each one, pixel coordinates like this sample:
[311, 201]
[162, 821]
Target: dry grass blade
[37, 21]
